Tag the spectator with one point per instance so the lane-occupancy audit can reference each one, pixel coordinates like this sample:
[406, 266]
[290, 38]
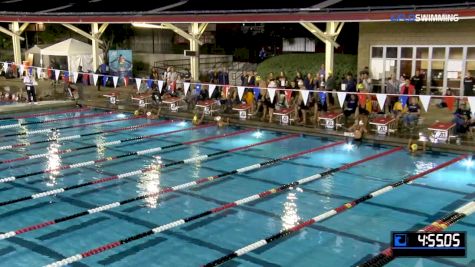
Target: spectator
[349, 107]
[251, 79]
[349, 84]
[298, 77]
[262, 54]
[330, 85]
[309, 82]
[244, 78]
[462, 123]
[392, 87]
[443, 103]
[187, 75]
[468, 81]
[407, 88]
[321, 73]
[412, 112]
[417, 81]
[30, 84]
[366, 80]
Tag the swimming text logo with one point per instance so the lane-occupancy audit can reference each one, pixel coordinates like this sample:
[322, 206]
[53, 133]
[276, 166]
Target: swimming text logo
[411, 17]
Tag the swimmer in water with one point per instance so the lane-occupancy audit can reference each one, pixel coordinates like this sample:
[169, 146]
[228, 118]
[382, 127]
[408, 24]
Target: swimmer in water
[358, 130]
[220, 121]
[196, 120]
[413, 145]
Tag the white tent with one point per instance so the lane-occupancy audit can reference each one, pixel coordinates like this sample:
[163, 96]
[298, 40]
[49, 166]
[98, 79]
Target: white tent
[34, 55]
[78, 53]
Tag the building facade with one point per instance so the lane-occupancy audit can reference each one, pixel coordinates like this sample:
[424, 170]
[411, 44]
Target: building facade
[442, 51]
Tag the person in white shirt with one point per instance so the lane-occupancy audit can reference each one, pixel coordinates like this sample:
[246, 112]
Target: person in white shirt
[30, 84]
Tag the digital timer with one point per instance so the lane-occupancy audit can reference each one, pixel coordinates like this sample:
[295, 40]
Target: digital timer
[427, 244]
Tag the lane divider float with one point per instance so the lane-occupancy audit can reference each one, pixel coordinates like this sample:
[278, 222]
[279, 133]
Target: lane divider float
[166, 190]
[77, 136]
[141, 171]
[106, 144]
[48, 130]
[328, 214]
[56, 112]
[221, 208]
[56, 120]
[440, 225]
[129, 154]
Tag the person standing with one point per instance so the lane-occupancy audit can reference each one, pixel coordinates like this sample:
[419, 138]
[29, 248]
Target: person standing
[468, 81]
[30, 83]
[417, 81]
[330, 85]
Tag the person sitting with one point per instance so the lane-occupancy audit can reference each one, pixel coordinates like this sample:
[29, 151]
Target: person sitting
[349, 107]
[411, 113]
[462, 122]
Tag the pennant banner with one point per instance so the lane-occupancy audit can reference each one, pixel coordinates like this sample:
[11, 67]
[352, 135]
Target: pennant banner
[30, 70]
[288, 96]
[198, 89]
[225, 91]
[425, 99]
[323, 97]
[160, 86]
[381, 99]
[304, 96]
[138, 82]
[5, 67]
[211, 88]
[75, 77]
[126, 81]
[94, 79]
[341, 98]
[149, 83]
[56, 74]
[115, 79]
[241, 91]
[403, 100]
[21, 69]
[104, 80]
[471, 102]
[450, 102]
[38, 72]
[186, 87]
[257, 92]
[271, 94]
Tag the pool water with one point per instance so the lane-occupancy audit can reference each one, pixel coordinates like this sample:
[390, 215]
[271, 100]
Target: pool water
[346, 239]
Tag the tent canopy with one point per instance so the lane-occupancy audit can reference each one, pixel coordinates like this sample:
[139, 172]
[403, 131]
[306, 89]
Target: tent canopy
[69, 47]
[77, 52]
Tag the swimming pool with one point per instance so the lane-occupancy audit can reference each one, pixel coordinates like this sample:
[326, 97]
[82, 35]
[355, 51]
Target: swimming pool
[164, 155]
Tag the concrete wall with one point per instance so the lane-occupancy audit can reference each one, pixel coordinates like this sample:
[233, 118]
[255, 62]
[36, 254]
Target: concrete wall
[412, 33]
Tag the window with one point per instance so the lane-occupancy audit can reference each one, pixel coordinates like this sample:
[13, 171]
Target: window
[406, 52]
[377, 52]
[391, 52]
[438, 53]
[422, 52]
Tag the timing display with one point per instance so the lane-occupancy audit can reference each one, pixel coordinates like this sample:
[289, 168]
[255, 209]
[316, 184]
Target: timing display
[426, 244]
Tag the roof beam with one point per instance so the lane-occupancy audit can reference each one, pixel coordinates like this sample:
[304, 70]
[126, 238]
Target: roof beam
[318, 33]
[181, 32]
[163, 8]
[12, 34]
[201, 29]
[81, 32]
[102, 29]
[23, 27]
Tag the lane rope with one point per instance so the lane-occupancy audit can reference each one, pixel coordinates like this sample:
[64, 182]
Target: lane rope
[440, 225]
[221, 208]
[111, 143]
[141, 171]
[7, 126]
[105, 159]
[77, 136]
[162, 191]
[326, 215]
[56, 112]
[48, 130]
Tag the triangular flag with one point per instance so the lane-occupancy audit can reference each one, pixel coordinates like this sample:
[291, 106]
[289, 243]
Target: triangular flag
[403, 100]
[271, 94]
[149, 83]
[94, 78]
[138, 81]
[21, 69]
[425, 99]
[323, 97]
[75, 77]
[211, 88]
[30, 70]
[450, 102]
[257, 92]
[341, 98]
[471, 102]
[104, 80]
[56, 74]
[381, 99]
[38, 72]
[115, 79]
[288, 95]
[160, 86]
[362, 99]
[198, 89]
[304, 96]
[241, 91]
[5, 67]
[126, 81]
[186, 87]
[225, 91]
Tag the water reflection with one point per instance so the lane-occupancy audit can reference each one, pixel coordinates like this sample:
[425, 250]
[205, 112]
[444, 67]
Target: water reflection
[290, 216]
[195, 152]
[422, 166]
[149, 183]
[53, 159]
[100, 139]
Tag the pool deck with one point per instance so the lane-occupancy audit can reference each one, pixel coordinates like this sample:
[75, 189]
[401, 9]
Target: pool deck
[26, 107]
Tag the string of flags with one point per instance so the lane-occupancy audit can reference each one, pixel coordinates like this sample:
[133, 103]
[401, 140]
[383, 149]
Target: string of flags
[88, 77]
